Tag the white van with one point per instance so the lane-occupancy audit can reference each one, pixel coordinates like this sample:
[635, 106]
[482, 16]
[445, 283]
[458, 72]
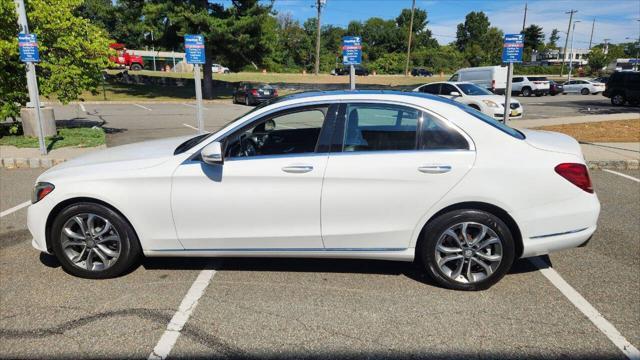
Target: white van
[492, 78]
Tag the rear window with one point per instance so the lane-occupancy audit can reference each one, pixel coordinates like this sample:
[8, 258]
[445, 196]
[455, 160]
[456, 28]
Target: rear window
[537, 78]
[489, 120]
[264, 86]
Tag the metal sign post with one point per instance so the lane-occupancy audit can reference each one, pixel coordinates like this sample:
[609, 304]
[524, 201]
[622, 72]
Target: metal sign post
[511, 52]
[352, 55]
[194, 53]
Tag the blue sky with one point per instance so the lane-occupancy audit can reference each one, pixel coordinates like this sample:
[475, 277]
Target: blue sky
[615, 19]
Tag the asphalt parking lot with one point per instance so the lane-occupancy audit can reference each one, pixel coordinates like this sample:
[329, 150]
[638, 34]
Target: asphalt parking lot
[315, 309]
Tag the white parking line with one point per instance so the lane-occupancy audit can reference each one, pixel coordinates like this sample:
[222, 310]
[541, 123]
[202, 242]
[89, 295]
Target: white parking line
[191, 127]
[623, 175]
[188, 304]
[630, 351]
[194, 106]
[82, 107]
[144, 107]
[15, 208]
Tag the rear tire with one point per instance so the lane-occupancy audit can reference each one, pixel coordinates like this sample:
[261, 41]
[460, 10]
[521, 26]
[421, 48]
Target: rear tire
[476, 260]
[136, 67]
[618, 100]
[584, 91]
[106, 248]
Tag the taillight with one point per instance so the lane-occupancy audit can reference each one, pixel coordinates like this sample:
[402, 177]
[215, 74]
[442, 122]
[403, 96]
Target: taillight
[577, 174]
[254, 92]
[275, 92]
[41, 190]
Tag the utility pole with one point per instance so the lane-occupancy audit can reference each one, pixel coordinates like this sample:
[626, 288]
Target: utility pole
[32, 81]
[606, 46]
[593, 24]
[571, 58]
[406, 67]
[524, 21]
[566, 40]
[319, 4]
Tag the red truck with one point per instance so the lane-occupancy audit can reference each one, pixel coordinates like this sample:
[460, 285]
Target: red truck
[125, 59]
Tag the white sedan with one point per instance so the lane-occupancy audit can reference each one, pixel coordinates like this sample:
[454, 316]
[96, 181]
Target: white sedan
[584, 87]
[476, 97]
[345, 174]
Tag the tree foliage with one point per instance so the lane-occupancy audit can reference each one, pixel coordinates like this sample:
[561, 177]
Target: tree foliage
[533, 39]
[73, 52]
[479, 43]
[553, 40]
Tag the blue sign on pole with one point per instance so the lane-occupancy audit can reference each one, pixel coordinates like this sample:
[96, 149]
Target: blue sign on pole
[28, 45]
[512, 48]
[194, 49]
[351, 50]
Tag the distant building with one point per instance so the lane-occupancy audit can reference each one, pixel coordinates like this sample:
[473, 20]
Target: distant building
[554, 57]
[624, 65]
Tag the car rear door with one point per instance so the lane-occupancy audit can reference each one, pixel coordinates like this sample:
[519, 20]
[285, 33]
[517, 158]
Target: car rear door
[388, 165]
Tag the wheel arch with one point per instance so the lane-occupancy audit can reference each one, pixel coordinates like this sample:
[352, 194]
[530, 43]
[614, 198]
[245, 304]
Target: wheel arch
[483, 206]
[65, 203]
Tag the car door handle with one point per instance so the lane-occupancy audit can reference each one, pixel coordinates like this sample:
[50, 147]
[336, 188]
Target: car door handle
[434, 169]
[297, 169]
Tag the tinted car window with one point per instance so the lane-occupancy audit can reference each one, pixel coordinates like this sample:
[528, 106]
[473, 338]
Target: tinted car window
[375, 127]
[517, 79]
[447, 89]
[289, 133]
[431, 89]
[471, 89]
[537, 78]
[436, 135]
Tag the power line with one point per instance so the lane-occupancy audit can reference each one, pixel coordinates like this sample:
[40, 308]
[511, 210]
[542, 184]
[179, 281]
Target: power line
[566, 40]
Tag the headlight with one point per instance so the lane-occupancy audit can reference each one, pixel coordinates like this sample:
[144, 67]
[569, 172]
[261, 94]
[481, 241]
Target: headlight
[490, 103]
[41, 190]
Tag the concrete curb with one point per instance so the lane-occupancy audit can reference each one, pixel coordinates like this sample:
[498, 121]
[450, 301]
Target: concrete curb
[35, 163]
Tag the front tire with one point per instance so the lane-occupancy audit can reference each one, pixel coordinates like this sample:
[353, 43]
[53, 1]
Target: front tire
[466, 250]
[93, 241]
[526, 92]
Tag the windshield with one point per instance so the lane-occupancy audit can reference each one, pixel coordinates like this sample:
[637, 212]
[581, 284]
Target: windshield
[471, 89]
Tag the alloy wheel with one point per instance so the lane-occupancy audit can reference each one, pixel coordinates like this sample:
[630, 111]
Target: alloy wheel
[618, 99]
[468, 252]
[90, 242]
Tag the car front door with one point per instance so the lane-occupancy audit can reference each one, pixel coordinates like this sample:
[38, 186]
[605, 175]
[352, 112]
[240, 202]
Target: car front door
[389, 164]
[570, 86]
[266, 195]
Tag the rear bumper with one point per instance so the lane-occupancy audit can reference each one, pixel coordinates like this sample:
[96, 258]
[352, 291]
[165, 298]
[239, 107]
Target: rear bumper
[559, 225]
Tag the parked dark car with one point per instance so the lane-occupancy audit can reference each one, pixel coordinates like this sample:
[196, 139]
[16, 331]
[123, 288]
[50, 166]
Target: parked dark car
[360, 70]
[253, 94]
[421, 72]
[623, 87]
[555, 88]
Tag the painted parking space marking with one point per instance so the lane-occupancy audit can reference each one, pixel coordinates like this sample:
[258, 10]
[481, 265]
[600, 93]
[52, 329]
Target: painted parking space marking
[15, 208]
[143, 107]
[190, 126]
[623, 175]
[630, 351]
[194, 106]
[189, 302]
[82, 107]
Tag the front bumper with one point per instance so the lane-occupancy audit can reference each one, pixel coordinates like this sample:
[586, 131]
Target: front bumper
[37, 215]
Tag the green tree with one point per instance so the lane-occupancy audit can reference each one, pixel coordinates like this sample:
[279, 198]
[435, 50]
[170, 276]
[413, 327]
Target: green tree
[533, 39]
[12, 71]
[553, 40]
[422, 36]
[73, 52]
[472, 31]
[598, 59]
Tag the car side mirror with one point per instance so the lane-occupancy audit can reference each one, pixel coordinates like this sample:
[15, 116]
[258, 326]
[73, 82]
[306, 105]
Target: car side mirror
[454, 93]
[212, 154]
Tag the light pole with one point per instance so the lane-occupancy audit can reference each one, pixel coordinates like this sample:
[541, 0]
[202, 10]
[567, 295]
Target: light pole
[153, 50]
[573, 32]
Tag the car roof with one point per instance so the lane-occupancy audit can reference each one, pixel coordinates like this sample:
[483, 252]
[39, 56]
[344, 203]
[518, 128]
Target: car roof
[375, 94]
